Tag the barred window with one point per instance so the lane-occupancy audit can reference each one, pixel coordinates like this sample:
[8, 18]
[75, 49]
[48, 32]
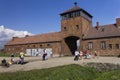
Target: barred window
[103, 45]
[117, 46]
[90, 45]
[110, 46]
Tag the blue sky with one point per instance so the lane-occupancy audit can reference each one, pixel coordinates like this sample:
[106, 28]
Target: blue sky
[42, 16]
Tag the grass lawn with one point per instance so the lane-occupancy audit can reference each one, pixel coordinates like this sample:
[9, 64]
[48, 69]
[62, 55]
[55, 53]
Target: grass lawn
[2, 54]
[69, 72]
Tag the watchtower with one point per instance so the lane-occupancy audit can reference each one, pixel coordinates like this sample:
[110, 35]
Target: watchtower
[74, 24]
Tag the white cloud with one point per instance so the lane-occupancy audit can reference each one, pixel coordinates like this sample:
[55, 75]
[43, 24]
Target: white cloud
[7, 34]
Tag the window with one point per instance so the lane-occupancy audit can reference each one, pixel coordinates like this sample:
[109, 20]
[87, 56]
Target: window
[34, 46]
[9, 49]
[110, 46]
[22, 48]
[69, 15]
[41, 45]
[103, 45]
[28, 46]
[48, 44]
[117, 46]
[90, 45]
[77, 27]
[65, 28]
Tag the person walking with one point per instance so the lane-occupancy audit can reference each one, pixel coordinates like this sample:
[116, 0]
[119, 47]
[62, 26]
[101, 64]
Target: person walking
[76, 55]
[95, 54]
[44, 55]
[22, 57]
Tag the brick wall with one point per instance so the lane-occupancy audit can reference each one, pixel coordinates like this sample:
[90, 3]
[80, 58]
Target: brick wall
[107, 51]
[16, 49]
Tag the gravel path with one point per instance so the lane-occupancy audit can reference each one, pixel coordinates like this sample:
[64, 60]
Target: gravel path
[37, 63]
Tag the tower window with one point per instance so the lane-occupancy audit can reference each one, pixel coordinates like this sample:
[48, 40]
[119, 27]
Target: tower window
[65, 28]
[77, 26]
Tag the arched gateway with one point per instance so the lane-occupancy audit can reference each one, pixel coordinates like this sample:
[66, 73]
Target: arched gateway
[72, 43]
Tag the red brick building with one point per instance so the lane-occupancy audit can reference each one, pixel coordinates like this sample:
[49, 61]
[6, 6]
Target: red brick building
[77, 33]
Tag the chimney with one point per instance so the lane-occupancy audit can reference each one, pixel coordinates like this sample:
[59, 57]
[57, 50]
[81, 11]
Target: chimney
[27, 36]
[118, 22]
[14, 38]
[97, 25]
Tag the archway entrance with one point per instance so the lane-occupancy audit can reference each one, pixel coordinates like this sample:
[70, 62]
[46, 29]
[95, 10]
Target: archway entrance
[73, 43]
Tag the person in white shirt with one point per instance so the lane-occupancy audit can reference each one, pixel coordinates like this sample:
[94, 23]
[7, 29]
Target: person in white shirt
[76, 55]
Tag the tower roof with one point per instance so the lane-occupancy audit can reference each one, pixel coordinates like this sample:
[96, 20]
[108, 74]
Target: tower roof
[75, 8]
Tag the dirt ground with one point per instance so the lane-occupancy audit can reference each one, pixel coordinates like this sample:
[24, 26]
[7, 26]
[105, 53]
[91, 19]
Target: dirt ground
[37, 63]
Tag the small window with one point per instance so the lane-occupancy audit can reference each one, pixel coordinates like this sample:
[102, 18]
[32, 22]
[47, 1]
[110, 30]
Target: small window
[34, 46]
[110, 46]
[102, 30]
[65, 28]
[77, 27]
[9, 49]
[103, 45]
[22, 48]
[69, 15]
[48, 44]
[90, 45]
[28, 46]
[41, 45]
[117, 46]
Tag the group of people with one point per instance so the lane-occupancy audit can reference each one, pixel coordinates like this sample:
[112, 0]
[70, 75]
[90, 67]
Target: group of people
[84, 54]
[20, 60]
[6, 63]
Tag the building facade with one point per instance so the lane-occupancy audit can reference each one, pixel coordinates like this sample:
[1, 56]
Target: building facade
[77, 33]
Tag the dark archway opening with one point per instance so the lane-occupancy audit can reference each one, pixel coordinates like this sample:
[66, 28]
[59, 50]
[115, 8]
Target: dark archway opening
[72, 43]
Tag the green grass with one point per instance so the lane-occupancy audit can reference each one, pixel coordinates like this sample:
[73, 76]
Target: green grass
[69, 72]
[2, 54]
[111, 75]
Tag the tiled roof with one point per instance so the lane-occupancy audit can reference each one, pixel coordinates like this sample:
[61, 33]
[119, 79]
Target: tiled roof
[102, 31]
[49, 37]
[75, 8]
[94, 32]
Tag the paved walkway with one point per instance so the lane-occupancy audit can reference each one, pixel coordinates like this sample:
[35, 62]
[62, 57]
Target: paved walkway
[37, 63]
